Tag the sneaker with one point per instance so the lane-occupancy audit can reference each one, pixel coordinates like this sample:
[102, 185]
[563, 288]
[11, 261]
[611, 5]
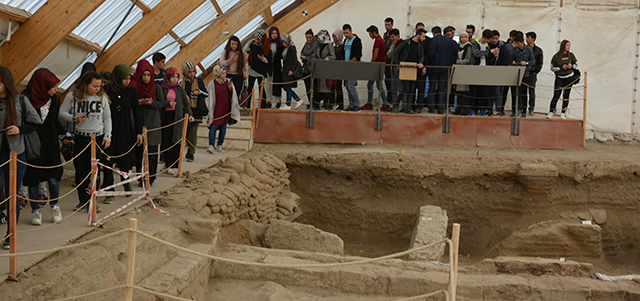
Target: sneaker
[36, 218]
[471, 113]
[513, 115]
[452, 110]
[335, 107]
[285, 107]
[98, 209]
[385, 108]
[563, 116]
[409, 112]
[352, 109]
[23, 203]
[524, 115]
[169, 170]
[367, 107]
[481, 113]
[6, 245]
[80, 207]
[3, 218]
[495, 114]
[127, 187]
[531, 112]
[211, 149]
[298, 104]
[549, 115]
[418, 111]
[219, 149]
[109, 199]
[441, 112]
[56, 214]
[189, 157]
[502, 113]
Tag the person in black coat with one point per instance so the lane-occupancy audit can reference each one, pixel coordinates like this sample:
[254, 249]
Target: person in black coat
[443, 52]
[41, 92]
[289, 66]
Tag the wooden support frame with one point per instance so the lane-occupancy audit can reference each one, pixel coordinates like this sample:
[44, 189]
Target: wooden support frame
[268, 16]
[176, 37]
[217, 7]
[13, 13]
[42, 33]
[149, 30]
[143, 6]
[83, 43]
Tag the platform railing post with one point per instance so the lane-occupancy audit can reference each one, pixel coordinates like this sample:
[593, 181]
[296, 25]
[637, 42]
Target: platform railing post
[131, 259]
[185, 124]
[94, 172]
[13, 212]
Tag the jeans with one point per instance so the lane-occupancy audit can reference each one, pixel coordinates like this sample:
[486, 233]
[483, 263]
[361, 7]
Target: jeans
[561, 83]
[354, 101]
[54, 193]
[212, 134]
[437, 91]
[21, 169]
[370, 92]
[290, 94]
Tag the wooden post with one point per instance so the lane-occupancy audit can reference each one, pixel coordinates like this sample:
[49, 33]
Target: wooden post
[145, 160]
[184, 142]
[260, 103]
[94, 171]
[453, 260]
[13, 212]
[584, 111]
[131, 259]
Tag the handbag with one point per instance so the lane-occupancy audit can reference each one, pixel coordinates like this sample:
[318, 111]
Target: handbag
[297, 71]
[244, 95]
[31, 140]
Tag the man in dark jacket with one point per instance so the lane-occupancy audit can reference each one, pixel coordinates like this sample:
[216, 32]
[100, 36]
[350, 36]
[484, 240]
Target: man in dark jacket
[480, 53]
[388, 26]
[352, 53]
[409, 51]
[443, 52]
[522, 56]
[420, 101]
[533, 76]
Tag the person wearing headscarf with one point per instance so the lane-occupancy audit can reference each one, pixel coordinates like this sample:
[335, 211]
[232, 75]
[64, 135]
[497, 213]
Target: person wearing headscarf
[197, 92]
[276, 79]
[338, 46]
[152, 104]
[41, 92]
[308, 54]
[126, 120]
[223, 108]
[260, 64]
[177, 106]
[324, 52]
[289, 64]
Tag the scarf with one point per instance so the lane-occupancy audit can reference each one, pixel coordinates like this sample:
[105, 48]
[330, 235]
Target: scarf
[120, 72]
[169, 73]
[38, 87]
[323, 37]
[185, 70]
[339, 37]
[217, 71]
[287, 39]
[144, 90]
[276, 40]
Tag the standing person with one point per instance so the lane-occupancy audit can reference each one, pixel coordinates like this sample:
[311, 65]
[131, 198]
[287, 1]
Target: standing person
[388, 42]
[178, 105]
[308, 54]
[378, 55]
[352, 53]
[471, 31]
[480, 53]
[158, 68]
[197, 93]
[41, 92]
[509, 45]
[324, 52]
[495, 92]
[565, 65]
[236, 62]
[126, 123]
[87, 107]
[290, 63]
[276, 52]
[409, 51]
[223, 108]
[464, 58]
[533, 76]
[152, 104]
[418, 97]
[522, 56]
[443, 52]
[394, 79]
[260, 65]
[338, 46]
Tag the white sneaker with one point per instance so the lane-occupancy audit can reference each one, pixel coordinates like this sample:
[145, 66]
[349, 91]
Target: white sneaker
[549, 115]
[36, 219]
[298, 104]
[563, 116]
[211, 149]
[219, 148]
[56, 215]
[285, 107]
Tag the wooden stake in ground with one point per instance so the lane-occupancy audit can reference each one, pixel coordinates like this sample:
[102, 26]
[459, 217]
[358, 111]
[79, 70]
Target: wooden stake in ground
[184, 141]
[453, 261]
[13, 212]
[131, 259]
[584, 111]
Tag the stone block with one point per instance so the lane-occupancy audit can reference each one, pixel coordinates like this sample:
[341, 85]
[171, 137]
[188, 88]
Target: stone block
[300, 237]
[430, 227]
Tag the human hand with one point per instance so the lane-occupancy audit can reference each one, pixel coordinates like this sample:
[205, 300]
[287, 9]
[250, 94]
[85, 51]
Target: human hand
[106, 143]
[139, 140]
[420, 66]
[326, 58]
[424, 71]
[260, 56]
[80, 118]
[13, 130]
[302, 57]
[513, 63]
[523, 63]
[172, 104]
[191, 119]
[196, 92]
[290, 73]
[246, 75]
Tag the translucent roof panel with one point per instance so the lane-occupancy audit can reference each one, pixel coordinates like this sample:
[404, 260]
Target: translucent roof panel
[226, 5]
[101, 24]
[67, 82]
[195, 22]
[280, 5]
[152, 3]
[29, 5]
[244, 32]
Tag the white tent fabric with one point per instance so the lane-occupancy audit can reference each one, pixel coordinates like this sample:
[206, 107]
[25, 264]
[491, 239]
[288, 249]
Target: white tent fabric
[603, 36]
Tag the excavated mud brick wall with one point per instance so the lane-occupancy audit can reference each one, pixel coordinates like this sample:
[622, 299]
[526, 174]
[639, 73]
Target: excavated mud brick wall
[238, 188]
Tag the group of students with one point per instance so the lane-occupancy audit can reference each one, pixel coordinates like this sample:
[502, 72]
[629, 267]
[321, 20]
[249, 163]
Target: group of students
[114, 107]
[274, 59]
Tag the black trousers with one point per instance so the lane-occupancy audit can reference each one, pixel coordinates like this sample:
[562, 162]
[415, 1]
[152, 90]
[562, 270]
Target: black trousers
[263, 101]
[307, 87]
[560, 83]
[407, 88]
[170, 156]
[153, 160]
[339, 95]
[237, 82]
[82, 164]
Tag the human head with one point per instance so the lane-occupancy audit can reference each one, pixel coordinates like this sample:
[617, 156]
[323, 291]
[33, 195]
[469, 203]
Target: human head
[395, 35]
[487, 34]
[8, 92]
[512, 34]
[347, 31]
[373, 31]
[471, 30]
[419, 25]
[436, 30]
[274, 34]
[259, 34]
[388, 24]
[464, 38]
[158, 60]
[565, 47]
[323, 37]
[519, 41]
[338, 37]
[189, 70]
[120, 77]
[89, 84]
[421, 33]
[219, 72]
[449, 31]
[172, 75]
[309, 36]
[286, 40]
[87, 67]
[531, 37]
[105, 77]
[41, 87]
[495, 38]
[233, 44]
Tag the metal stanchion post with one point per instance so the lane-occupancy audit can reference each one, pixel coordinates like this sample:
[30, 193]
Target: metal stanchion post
[13, 212]
[131, 259]
[184, 142]
[94, 171]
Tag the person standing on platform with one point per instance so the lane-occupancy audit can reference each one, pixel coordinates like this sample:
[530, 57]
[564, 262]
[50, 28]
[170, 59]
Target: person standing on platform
[236, 63]
[308, 54]
[260, 65]
[388, 26]
[393, 89]
[178, 105]
[352, 53]
[418, 99]
[276, 52]
[533, 76]
[522, 56]
[565, 65]
[324, 52]
[409, 51]
[480, 52]
[223, 108]
[464, 56]
[378, 55]
[338, 47]
[289, 64]
[197, 92]
[443, 52]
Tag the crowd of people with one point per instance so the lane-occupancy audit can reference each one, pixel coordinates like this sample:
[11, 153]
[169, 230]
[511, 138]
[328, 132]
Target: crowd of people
[274, 58]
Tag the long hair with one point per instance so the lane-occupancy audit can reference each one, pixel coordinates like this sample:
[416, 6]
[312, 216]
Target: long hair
[266, 45]
[11, 117]
[240, 53]
[81, 90]
[563, 46]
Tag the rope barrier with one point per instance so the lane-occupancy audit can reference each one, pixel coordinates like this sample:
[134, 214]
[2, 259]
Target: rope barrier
[93, 293]
[56, 166]
[157, 293]
[118, 156]
[288, 83]
[5, 238]
[6, 162]
[160, 152]
[6, 200]
[60, 197]
[445, 292]
[166, 126]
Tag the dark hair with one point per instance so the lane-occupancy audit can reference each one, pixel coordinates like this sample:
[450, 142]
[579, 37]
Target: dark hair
[420, 31]
[513, 33]
[395, 32]
[449, 29]
[563, 45]
[105, 74]
[81, 90]
[487, 34]
[495, 33]
[470, 26]
[436, 30]
[346, 26]
[240, 62]
[419, 24]
[519, 38]
[532, 35]
[11, 118]
[390, 20]
[373, 29]
[158, 57]
[309, 31]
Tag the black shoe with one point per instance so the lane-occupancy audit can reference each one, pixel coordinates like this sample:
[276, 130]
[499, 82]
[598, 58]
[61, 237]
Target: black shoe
[189, 157]
[79, 207]
[3, 218]
[127, 187]
[6, 245]
[408, 111]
